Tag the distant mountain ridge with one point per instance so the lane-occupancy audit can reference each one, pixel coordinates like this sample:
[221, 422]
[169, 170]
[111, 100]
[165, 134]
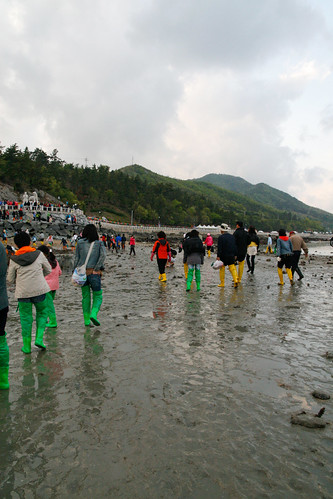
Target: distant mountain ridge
[257, 202]
[265, 194]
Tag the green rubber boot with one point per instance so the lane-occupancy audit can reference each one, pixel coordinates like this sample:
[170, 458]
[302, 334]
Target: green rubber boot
[41, 318]
[4, 363]
[51, 310]
[189, 279]
[96, 305]
[198, 278]
[26, 319]
[86, 304]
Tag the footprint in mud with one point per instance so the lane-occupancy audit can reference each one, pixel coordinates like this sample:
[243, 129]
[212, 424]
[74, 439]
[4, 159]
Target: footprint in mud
[242, 329]
[195, 343]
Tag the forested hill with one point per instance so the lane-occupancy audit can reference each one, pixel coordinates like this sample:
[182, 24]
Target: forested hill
[267, 195]
[151, 197]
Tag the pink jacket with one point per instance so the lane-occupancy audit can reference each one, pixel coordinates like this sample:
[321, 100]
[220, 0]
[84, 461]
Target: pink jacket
[53, 278]
[209, 241]
[132, 241]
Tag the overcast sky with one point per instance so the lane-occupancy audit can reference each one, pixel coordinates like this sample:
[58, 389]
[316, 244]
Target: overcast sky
[181, 87]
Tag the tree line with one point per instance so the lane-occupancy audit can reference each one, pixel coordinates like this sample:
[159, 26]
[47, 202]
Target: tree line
[116, 194]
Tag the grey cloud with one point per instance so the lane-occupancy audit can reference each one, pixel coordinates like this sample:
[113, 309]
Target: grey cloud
[237, 34]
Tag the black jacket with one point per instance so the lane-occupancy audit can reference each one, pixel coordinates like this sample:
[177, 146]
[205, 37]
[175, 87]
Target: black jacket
[252, 238]
[193, 245]
[226, 247]
[240, 236]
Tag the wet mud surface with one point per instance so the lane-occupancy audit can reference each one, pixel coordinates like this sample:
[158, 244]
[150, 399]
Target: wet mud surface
[176, 394]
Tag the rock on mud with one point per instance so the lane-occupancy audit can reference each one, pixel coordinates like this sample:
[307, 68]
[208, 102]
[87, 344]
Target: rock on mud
[309, 420]
[320, 395]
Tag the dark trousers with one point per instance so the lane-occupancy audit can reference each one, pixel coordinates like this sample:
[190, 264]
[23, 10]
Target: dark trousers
[294, 265]
[286, 260]
[3, 320]
[250, 262]
[161, 262]
[132, 250]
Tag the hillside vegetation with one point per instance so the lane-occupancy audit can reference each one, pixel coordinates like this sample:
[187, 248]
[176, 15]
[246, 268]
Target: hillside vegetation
[151, 197]
[267, 195]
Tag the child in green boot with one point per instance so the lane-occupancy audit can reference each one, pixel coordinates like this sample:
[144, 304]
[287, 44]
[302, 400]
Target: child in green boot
[27, 269]
[52, 280]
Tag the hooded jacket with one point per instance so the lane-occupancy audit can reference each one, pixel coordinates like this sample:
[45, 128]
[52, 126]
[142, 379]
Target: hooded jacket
[28, 269]
[284, 246]
[194, 250]
[162, 249]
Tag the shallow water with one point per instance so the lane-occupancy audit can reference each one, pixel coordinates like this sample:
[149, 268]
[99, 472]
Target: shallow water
[176, 394]
[320, 248]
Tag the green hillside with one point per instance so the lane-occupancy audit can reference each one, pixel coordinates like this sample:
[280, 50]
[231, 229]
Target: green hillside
[268, 195]
[152, 198]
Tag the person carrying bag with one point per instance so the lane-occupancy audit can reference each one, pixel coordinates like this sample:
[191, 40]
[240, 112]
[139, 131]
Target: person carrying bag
[90, 253]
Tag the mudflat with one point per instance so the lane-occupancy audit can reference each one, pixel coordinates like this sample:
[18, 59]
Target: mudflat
[176, 394]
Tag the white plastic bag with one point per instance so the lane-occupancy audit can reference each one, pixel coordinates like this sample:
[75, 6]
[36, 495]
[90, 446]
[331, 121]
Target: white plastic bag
[217, 265]
[79, 276]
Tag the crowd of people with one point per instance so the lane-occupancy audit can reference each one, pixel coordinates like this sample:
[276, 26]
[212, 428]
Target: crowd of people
[35, 272]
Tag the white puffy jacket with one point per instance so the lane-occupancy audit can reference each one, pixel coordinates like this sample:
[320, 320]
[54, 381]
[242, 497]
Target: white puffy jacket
[28, 271]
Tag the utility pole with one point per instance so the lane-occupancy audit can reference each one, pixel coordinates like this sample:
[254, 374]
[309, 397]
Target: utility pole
[132, 217]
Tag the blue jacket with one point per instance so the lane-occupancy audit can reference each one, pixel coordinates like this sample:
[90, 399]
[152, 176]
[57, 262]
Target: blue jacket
[97, 256]
[284, 247]
[3, 272]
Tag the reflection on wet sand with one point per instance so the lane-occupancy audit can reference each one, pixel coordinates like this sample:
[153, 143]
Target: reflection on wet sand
[176, 394]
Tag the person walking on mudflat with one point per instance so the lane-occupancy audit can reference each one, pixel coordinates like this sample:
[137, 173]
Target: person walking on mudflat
[194, 252]
[298, 245]
[269, 244]
[240, 236]
[53, 281]
[4, 350]
[284, 256]
[209, 244]
[252, 248]
[162, 251]
[27, 269]
[95, 265]
[227, 253]
[132, 245]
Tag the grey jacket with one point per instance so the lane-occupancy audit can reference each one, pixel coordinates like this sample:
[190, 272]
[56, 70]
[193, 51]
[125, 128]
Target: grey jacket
[3, 271]
[97, 256]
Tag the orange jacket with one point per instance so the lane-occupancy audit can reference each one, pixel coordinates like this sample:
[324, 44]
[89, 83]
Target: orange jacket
[161, 248]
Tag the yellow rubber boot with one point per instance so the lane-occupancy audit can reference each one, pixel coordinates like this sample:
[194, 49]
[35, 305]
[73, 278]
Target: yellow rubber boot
[222, 276]
[281, 283]
[160, 277]
[208, 253]
[185, 270]
[240, 270]
[233, 272]
[163, 278]
[290, 275]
